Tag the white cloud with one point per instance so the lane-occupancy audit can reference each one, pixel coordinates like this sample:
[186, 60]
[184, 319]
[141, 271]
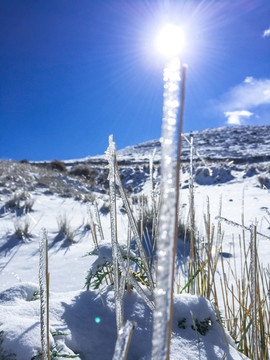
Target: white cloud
[251, 97]
[266, 33]
[249, 80]
[236, 117]
[267, 93]
[249, 94]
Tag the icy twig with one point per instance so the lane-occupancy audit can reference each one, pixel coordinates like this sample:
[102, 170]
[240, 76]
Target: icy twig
[123, 341]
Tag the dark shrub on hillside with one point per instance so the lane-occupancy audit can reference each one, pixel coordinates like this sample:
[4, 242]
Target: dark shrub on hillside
[24, 161]
[58, 165]
[102, 178]
[84, 171]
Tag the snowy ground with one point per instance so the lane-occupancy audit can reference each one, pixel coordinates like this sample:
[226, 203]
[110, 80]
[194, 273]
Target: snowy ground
[85, 320]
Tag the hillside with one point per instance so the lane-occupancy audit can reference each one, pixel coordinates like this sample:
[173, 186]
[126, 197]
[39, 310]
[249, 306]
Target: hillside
[242, 144]
[70, 199]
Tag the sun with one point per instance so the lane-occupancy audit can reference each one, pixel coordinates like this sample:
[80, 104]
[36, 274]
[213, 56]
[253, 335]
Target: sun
[171, 40]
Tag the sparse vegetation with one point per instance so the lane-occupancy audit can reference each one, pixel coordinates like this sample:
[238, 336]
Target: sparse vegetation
[65, 230]
[22, 229]
[20, 202]
[85, 172]
[58, 165]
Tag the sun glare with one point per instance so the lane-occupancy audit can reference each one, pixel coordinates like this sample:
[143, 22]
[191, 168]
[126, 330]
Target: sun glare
[171, 40]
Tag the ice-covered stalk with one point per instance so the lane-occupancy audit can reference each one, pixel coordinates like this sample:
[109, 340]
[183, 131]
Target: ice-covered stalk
[253, 271]
[230, 222]
[151, 168]
[191, 211]
[165, 245]
[44, 295]
[134, 229]
[132, 280]
[154, 205]
[92, 228]
[111, 154]
[123, 341]
[97, 216]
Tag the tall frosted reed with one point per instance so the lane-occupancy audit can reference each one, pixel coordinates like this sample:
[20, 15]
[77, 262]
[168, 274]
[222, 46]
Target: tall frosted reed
[166, 231]
[44, 296]
[111, 157]
[253, 293]
[123, 341]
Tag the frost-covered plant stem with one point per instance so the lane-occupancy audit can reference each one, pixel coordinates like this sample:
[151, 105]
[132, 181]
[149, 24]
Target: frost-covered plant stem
[165, 245]
[111, 155]
[151, 168]
[123, 341]
[92, 227]
[191, 211]
[97, 216]
[44, 296]
[131, 279]
[134, 228]
[253, 276]
[233, 223]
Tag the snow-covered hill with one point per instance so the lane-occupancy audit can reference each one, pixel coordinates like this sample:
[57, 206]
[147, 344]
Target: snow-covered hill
[241, 144]
[231, 178]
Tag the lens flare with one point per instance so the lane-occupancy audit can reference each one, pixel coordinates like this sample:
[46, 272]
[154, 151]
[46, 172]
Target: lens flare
[171, 40]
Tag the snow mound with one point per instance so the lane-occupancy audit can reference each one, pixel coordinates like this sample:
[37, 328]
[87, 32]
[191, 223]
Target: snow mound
[25, 291]
[84, 321]
[212, 175]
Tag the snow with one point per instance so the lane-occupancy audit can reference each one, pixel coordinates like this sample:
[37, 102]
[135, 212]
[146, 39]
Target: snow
[85, 320]
[76, 314]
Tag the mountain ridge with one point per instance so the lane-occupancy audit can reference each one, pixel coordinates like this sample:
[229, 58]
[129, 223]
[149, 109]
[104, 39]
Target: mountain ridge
[246, 143]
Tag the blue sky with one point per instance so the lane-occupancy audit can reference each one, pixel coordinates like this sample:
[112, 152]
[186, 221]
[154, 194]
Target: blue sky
[72, 72]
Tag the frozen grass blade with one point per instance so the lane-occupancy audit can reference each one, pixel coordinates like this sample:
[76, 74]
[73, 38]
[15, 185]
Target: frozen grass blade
[131, 279]
[118, 304]
[165, 245]
[44, 296]
[253, 276]
[92, 228]
[134, 229]
[230, 222]
[97, 216]
[123, 341]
